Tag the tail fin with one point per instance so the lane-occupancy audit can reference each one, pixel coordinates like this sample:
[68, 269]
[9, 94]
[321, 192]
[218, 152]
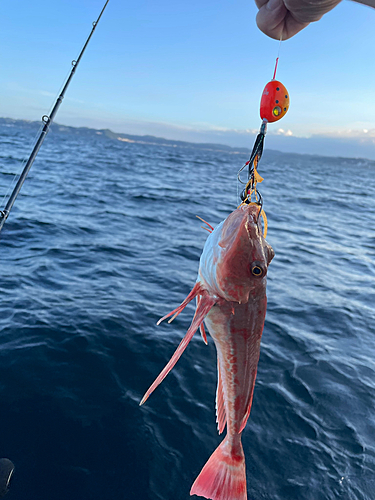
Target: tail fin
[203, 308]
[224, 476]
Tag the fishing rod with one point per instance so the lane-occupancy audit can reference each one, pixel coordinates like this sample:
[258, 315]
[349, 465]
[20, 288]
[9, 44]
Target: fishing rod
[47, 120]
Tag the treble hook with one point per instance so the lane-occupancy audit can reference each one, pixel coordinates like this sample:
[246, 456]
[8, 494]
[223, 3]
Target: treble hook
[260, 203]
[239, 173]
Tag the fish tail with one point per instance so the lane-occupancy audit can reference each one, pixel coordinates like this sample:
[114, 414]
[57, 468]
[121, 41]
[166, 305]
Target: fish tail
[224, 475]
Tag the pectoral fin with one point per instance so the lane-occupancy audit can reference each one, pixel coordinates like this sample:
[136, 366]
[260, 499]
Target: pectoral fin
[203, 308]
[197, 290]
[201, 327]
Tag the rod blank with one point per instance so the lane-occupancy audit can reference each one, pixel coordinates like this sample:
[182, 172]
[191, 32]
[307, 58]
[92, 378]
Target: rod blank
[47, 119]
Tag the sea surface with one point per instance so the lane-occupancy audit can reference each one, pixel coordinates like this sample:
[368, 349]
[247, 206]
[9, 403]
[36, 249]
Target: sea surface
[102, 242]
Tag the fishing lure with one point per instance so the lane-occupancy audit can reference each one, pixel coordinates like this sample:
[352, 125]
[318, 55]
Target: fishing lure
[274, 105]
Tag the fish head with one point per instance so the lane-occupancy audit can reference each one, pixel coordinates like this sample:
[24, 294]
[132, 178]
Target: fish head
[244, 257]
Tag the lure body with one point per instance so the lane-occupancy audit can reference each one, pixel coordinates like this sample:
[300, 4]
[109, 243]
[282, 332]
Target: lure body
[231, 299]
[274, 102]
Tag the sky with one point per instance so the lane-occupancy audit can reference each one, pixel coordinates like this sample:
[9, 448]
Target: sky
[192, 71]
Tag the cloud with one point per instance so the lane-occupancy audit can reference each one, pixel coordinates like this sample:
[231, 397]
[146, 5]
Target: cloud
[46, 93]
[281, 131]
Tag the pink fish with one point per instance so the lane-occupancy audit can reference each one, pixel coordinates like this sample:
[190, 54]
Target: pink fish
[231, 299]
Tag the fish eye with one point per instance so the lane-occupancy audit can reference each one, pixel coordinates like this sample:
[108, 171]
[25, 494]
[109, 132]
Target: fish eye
[256, 270]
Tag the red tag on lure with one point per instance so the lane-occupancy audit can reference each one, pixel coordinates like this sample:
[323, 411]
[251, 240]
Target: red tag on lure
[274, 103]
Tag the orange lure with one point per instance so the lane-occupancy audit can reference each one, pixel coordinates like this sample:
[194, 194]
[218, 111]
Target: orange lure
[274, 103]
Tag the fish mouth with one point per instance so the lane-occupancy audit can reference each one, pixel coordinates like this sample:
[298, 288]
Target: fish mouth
[253, 221]
[254, 211]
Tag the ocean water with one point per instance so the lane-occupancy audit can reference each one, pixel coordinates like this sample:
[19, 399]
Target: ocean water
[101, 243]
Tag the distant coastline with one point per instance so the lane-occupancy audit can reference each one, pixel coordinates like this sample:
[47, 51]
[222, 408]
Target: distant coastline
[160, 141]
[139, 139]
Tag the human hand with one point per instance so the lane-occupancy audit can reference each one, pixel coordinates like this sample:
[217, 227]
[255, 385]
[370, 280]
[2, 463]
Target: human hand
[284, 18]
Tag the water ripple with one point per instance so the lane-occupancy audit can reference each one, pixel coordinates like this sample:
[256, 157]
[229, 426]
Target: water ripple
[102, 242]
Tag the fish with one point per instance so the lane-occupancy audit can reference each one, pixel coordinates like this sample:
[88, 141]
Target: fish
[230, 292]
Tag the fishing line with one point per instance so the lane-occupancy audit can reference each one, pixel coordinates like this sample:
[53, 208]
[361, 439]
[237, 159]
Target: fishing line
[277, 57]
[47, 121]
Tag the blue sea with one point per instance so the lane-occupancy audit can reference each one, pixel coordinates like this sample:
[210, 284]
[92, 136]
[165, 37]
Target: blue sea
[102, 242]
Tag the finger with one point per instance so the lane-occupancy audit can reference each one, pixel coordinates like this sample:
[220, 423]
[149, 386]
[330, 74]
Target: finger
[284, 18]
[271, 17]
[260, 3]
[306, 11]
